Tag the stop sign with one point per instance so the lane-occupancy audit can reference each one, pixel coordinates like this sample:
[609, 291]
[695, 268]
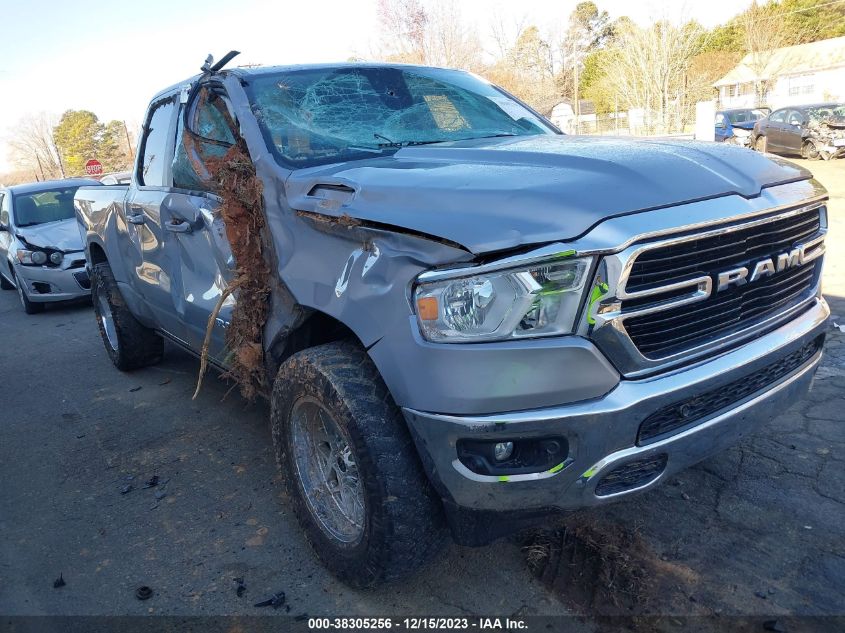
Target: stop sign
[93, 167]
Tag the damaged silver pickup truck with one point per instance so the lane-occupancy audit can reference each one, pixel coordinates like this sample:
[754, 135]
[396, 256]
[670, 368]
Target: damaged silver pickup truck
[463, 318]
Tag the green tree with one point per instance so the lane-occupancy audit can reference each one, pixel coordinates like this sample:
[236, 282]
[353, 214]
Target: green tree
[78, 136]
[112, 149]
[813, 20]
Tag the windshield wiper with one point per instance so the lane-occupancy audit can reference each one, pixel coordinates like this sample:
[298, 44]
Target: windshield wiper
[405, 143]
[389, 142]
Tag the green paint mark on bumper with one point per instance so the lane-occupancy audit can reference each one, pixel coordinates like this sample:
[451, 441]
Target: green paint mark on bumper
[599, 290]
[504, 478]
[588, 473]
[557, 469]
[568, 253]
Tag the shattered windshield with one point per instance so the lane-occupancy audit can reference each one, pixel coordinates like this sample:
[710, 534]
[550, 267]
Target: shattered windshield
[317, 116]
[826, 112]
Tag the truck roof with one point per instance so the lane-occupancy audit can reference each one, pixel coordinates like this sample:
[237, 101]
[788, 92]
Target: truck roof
[263, 70]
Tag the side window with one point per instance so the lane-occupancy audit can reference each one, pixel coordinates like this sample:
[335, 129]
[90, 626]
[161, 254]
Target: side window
[211, 132]
[4, 209]
[778, 117]
[155, 141]
[795, 117]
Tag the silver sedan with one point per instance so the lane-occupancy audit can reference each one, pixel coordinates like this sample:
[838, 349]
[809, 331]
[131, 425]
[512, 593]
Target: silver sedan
[41, 253]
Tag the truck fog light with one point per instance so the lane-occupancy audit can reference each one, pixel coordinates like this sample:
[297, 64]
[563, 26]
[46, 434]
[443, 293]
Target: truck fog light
[502, 451]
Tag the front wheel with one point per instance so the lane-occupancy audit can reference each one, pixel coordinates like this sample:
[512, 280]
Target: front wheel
[30, 307]
[810, 151]
[129, 344]
[5, 284]
[350, 467]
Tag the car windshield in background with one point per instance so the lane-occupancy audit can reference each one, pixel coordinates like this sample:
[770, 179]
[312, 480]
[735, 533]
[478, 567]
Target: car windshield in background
[826, 112]
[43, 206]
[746, 115]
[318, 116]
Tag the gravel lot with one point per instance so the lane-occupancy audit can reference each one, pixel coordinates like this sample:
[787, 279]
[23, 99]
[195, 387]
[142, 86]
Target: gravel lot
[758, 530]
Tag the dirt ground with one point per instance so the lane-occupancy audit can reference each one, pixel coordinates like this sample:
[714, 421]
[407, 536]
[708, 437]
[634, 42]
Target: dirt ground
[757, 531]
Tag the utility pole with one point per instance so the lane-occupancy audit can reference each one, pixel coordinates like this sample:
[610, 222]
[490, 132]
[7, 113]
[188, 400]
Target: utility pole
[40, 167]
[128, 142]
[59, 158]
[577, 103]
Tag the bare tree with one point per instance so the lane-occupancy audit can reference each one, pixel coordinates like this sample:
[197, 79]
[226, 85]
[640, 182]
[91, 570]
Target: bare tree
[648, 68]
[765, 28]
[32, 146]
[403, 25]
[434, 32]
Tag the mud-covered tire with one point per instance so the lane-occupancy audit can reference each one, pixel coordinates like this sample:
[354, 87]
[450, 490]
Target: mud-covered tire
[129, 344]
[403, 525]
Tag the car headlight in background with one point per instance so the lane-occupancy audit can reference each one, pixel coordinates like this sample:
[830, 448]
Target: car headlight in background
[39, 258]
[540, 299]
[32, 258]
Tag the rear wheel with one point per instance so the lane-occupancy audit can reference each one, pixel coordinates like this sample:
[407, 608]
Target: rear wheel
[129, 344]
[350, 467]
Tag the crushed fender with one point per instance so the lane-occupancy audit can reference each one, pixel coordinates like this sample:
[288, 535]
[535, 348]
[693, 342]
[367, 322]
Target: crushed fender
[242, 211]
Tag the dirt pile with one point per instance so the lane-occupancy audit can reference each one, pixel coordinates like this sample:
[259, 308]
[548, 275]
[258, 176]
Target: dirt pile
[605, 569]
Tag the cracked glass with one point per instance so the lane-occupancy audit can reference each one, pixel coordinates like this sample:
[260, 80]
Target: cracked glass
[317, 116]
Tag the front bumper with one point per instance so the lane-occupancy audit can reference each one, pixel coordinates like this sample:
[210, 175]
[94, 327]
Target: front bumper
[44, 284]
[602, 433]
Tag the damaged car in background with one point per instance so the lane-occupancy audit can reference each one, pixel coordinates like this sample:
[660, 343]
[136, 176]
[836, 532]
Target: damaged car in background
[41, 253]
[735, 126]
[464, 320]
[811, 131]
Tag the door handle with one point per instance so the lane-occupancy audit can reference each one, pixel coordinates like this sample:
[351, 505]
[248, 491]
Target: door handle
[135, 215]
[178, 226]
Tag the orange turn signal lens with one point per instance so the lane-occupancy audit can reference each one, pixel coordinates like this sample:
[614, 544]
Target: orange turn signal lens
[427, 308]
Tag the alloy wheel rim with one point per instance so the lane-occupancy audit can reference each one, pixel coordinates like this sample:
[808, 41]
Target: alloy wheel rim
[107, 321]
[327, 472]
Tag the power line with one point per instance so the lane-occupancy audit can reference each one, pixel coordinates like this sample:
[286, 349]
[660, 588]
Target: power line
[804, 10]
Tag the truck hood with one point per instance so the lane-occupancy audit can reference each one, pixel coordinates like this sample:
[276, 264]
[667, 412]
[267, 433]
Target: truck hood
[496, 194]
[62, 235]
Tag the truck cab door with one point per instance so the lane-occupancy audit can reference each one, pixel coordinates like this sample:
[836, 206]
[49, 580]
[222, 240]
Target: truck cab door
[204, 264]
[145, 216]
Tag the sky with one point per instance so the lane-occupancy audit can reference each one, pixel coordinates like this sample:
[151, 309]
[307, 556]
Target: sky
[112, 57]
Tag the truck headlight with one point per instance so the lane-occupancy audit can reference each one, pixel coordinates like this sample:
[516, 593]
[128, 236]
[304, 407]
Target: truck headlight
[541, 299]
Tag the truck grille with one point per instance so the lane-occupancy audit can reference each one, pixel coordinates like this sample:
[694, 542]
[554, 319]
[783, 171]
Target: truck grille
[673, 330]
[692, 411]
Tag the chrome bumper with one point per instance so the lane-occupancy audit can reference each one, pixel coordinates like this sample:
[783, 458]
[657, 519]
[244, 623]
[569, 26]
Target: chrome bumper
[602, 433]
